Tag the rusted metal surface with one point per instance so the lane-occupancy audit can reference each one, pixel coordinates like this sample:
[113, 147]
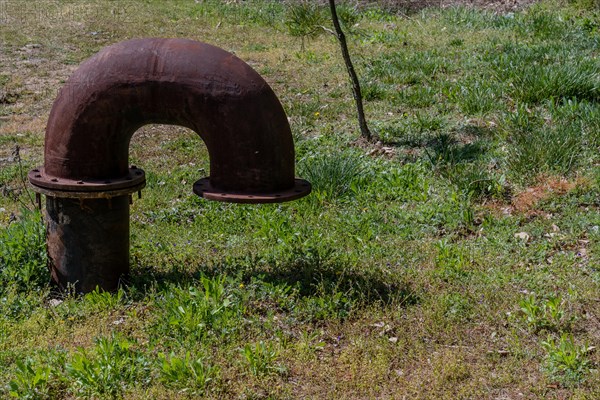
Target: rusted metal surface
[134, 181]
[130, 84]
[204, 189]
[88, 242]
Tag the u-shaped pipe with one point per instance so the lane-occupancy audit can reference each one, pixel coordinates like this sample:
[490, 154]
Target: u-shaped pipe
[86, 177]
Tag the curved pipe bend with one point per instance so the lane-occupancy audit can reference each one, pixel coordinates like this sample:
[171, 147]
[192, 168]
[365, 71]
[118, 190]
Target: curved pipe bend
[171, 81]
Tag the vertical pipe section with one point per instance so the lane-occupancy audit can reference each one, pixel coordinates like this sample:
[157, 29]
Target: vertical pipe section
[88, 242]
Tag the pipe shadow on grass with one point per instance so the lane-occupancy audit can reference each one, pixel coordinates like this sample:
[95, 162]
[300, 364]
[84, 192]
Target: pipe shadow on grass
[312, 272]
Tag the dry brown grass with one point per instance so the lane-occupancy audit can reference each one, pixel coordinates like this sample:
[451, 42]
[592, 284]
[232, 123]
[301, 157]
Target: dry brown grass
[547, 186]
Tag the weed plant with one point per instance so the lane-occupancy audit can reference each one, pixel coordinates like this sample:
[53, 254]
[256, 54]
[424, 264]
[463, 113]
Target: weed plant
[196, 314]
[23, 254]
[566, 361]
[261, 359]
[31, 381]
[544, 314]
[187, 373]
[108, 370]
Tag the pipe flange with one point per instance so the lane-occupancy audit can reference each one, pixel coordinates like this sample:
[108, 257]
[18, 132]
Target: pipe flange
[43, 183]
[203, 188]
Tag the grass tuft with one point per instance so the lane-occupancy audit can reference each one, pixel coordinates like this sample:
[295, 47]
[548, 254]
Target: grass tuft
[335, 175]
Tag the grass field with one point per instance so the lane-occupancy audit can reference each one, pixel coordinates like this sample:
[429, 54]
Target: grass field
[457, 258]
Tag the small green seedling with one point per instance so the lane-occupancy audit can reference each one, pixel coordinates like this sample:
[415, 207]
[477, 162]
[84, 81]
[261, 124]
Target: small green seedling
[188, 373]
[548, 314]
[261, 359]
[566, 362]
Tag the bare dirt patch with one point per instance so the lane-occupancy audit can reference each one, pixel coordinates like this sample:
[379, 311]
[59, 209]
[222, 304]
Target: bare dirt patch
[525, 201]
[528, 198]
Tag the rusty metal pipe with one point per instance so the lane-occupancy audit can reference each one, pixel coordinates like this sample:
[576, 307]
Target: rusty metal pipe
[131, 84]
[88, 241]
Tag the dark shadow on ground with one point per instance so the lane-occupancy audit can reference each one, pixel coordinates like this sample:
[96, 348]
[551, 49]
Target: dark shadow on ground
[464, 144]
[311, 272]
[447, 149]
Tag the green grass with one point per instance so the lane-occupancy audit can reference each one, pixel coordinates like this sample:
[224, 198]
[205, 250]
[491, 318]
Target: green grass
[458, 258]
